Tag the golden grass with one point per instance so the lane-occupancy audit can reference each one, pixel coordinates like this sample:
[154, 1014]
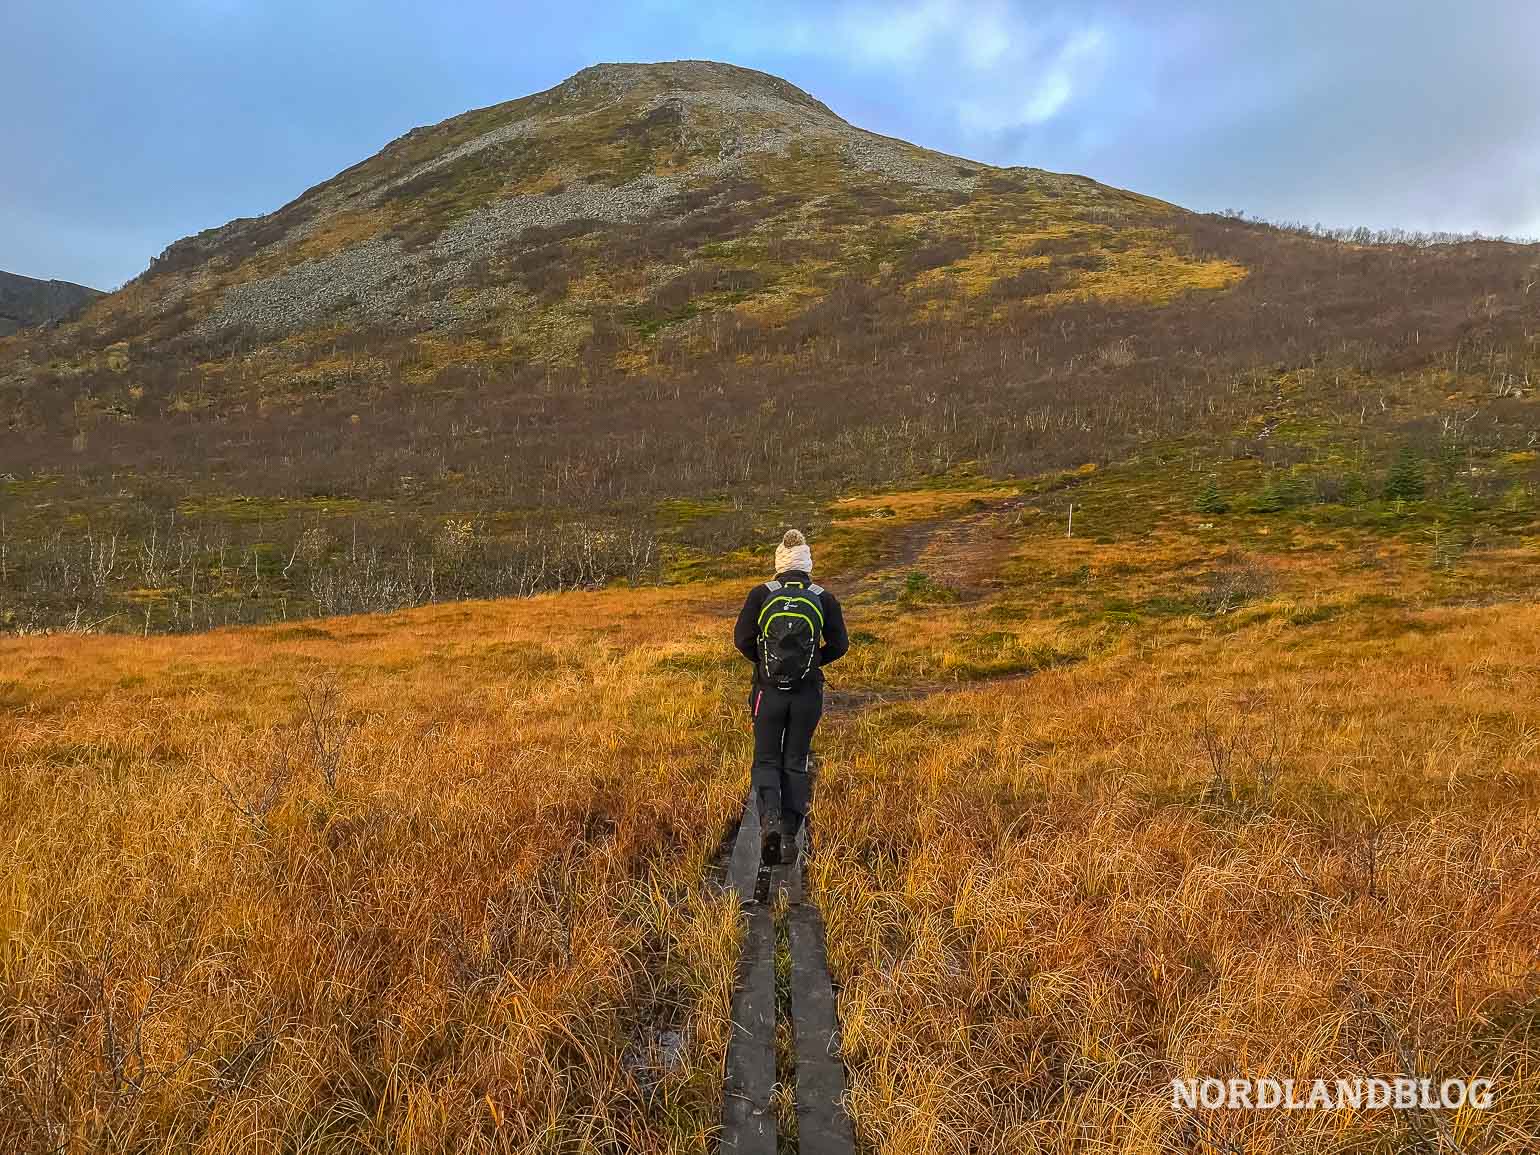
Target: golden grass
[1247, 842]
[1255, 843]
[1043, 906]
[468, 942]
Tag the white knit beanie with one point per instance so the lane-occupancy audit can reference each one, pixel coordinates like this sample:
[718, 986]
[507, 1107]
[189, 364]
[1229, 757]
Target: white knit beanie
[793, 554]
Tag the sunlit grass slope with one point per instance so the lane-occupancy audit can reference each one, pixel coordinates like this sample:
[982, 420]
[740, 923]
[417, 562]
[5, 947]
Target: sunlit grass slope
[399, 883]
[1186, 793]
[1262, 854]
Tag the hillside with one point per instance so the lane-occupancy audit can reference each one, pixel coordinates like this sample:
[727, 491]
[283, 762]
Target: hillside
[578, 335]
[26, 301]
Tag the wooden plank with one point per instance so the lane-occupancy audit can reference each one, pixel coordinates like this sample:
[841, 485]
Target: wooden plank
[748, 1121]
[743, 868]
[823, 1127]
[788, 879]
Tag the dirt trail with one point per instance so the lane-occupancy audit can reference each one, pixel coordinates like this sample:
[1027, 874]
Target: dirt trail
[964, 552]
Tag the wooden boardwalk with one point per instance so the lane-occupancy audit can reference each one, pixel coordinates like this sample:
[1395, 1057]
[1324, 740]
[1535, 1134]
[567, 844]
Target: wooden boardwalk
[748, 1116]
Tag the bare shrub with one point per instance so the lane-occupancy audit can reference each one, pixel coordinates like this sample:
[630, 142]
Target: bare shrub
[1236, 581]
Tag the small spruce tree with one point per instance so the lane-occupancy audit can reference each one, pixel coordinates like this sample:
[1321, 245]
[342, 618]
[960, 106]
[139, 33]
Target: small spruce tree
[1211, 500]
[1406, 481]
[1459, 501]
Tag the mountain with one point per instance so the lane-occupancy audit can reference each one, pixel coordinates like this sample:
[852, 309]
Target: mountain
[480, 225]
[695, 283]
[25, 301]
[519, 269]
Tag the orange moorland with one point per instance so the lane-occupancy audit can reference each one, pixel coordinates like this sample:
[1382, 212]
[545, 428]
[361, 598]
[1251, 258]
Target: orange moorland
[441, 879]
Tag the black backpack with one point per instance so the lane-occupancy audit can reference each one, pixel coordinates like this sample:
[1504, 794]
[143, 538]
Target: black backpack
[790, 623]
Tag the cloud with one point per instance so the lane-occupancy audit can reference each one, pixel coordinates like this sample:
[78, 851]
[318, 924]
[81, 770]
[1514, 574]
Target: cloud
[987, 38]
[868, 34]
[1003, 67]
[895, 35]
[1071, 66]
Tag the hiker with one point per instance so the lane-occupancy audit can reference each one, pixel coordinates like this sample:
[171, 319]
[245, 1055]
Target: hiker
[789, 628]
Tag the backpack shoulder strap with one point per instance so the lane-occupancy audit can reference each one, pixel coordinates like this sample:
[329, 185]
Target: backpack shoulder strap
[772, 585]
[815, 589]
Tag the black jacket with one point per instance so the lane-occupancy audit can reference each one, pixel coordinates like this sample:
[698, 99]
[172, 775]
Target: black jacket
[835, 641]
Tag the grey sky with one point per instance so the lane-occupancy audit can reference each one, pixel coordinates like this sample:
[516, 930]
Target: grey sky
[129, 125]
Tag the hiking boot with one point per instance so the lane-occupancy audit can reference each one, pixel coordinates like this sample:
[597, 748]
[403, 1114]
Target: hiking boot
[789, 850]
[770, 846]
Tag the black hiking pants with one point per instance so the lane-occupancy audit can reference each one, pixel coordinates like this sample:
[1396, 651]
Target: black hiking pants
[784, 721]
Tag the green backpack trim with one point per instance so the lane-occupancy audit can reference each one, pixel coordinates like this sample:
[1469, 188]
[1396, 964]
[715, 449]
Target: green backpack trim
[787, 600]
